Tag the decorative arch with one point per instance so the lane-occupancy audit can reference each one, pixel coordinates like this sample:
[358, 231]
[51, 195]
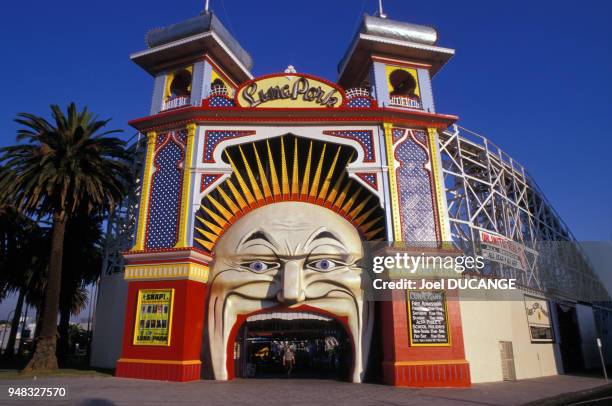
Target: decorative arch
[287, 168]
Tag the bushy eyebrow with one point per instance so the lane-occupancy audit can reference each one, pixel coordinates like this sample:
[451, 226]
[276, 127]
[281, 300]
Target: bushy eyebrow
[261, 238]
[257, 235]
[322, 234]
[326, 234]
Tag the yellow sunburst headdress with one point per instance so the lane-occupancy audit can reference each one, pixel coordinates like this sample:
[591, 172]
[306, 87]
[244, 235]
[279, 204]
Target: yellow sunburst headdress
[287, 168]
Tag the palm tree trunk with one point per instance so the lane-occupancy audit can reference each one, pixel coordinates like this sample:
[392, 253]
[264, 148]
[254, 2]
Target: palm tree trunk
[23, 329]
[9, 350]
[63, 345]
[44, 356]
[39, 316]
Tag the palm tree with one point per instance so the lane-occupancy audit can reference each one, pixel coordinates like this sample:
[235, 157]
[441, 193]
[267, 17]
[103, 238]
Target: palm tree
[21, 257]
[63, 166]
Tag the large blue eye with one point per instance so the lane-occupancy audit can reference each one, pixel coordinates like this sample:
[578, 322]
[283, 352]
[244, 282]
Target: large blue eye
[258, 266]
[323, 265]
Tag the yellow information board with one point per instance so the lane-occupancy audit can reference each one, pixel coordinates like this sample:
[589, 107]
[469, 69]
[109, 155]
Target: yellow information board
[154, 317]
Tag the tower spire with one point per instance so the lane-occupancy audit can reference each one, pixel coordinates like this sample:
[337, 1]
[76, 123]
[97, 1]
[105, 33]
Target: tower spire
[206, 5]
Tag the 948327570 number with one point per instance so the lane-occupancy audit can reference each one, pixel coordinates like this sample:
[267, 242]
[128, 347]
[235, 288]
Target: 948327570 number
[36, 392]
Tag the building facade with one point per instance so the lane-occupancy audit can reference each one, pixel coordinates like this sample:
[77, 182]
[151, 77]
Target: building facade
[256, 198]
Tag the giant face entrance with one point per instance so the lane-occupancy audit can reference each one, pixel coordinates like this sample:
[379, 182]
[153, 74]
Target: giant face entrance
[287, 235]
[295, 345]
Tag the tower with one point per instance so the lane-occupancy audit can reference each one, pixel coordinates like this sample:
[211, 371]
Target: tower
[397, 61]
[190, 61]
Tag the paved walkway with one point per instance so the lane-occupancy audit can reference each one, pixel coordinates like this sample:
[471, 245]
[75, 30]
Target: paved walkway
[102, 391]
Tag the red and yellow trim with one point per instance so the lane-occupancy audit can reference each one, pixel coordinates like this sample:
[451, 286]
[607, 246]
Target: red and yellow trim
[438, 184]
[431, 362]
[395, 212]
[167, 270]
[160, 361]
[178, 361]
[184, 213]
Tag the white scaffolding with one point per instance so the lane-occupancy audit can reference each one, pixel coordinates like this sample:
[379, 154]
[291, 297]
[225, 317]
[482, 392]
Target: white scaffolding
[487, 190]
[121, 225]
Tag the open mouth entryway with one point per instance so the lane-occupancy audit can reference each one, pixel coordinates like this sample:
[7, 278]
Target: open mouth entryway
[266, 344]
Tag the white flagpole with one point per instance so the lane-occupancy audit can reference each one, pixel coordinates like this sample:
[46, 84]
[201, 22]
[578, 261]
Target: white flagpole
[381, 13]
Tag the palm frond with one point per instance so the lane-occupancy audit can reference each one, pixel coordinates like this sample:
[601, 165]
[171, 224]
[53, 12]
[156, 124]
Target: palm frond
[64, 162]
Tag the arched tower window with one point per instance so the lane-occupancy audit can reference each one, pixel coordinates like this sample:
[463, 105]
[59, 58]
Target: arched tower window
[181, 84]
[403, 83]
[404, 89]
[178, 89]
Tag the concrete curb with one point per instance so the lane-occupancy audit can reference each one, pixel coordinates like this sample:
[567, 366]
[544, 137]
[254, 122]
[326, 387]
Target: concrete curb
[570, 397]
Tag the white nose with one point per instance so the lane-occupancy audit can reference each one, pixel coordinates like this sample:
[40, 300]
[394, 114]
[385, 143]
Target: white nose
[293, 283]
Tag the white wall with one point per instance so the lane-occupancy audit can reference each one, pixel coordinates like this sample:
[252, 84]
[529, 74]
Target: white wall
[108, 322]
[485, 324]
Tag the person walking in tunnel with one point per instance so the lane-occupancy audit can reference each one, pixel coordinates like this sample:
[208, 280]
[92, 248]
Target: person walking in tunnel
[289, 360]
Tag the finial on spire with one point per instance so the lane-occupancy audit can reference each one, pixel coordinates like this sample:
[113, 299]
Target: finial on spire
[381, 13]
[290, 69]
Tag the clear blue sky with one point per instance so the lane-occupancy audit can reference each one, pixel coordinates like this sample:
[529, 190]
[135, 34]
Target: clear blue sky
[534, 76]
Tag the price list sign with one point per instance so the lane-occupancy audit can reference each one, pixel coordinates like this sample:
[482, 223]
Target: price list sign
[428, 318]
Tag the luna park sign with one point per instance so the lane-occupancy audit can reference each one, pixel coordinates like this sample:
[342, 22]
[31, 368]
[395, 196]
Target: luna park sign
[289, 91]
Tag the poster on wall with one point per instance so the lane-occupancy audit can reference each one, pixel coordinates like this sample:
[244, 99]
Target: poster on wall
[538, 319]
[503, 250]
[153, 317]
[428, 318]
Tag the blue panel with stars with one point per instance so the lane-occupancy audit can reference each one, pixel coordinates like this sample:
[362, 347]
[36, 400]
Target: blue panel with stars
[365, 138]
[208, 180]
[415, 195]
[369, 178]
[220, 101]
[398, 133]
[165, 198]
[213, 138]
[359, 102]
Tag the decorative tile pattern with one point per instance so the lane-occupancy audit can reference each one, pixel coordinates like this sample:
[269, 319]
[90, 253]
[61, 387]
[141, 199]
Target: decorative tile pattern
[207, 180]
[420, 137]
[369, 178]
[330, 187]
[165, 197]
[397, 134]
[359, 102]
[212, 138]
[364, 138]
[417, 211]
[220, 101]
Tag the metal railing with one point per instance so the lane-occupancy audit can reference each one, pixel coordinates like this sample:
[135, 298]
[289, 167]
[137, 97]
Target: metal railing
[357, 92]
[218, 90]
[176, 102]
[403, 101]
